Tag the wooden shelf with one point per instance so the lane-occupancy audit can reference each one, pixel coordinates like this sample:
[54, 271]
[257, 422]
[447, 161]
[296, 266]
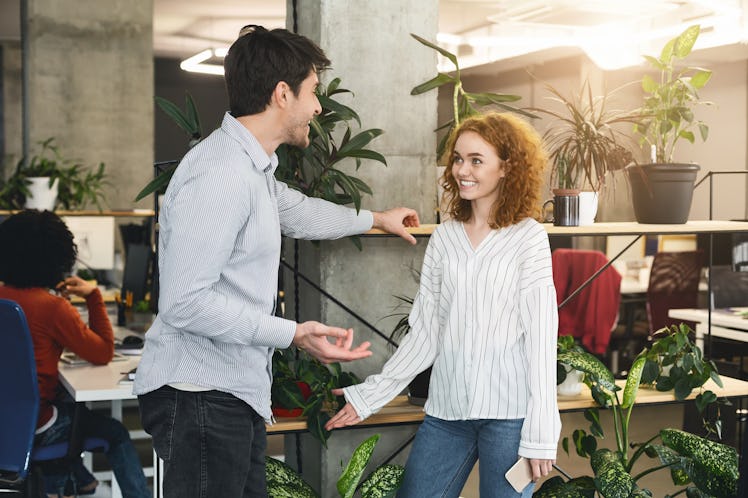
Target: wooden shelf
[399, 411]
[613, 228]
[133, 213]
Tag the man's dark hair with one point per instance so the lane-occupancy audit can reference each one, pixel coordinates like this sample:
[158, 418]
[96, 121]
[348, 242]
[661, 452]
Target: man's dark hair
[36, 250]
[259, 59]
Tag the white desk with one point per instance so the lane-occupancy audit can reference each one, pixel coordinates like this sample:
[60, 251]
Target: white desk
[725, 324]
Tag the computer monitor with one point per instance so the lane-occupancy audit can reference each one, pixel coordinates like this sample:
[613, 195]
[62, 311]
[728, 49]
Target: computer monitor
[135, 273]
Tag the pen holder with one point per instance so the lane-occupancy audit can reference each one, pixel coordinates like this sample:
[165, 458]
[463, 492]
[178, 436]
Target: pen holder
[121, 320]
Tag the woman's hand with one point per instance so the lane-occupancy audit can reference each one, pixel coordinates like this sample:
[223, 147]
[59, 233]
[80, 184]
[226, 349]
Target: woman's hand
[345, 417]
[540, 468]
[75, 286]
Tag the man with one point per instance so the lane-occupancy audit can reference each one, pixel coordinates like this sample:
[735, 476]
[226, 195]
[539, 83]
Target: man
[204, 379]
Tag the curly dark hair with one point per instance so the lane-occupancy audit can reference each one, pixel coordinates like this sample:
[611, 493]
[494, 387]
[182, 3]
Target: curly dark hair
[36, 249]
[517, 143]
[259, 59]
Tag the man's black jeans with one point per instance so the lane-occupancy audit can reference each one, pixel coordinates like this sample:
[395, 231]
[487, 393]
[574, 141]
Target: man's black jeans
[212, 443]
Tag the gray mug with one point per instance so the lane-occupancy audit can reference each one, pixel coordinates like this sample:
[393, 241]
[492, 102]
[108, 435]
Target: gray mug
[565, 210]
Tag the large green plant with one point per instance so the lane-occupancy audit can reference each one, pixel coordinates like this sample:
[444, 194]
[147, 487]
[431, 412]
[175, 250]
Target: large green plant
[667, 113]
[189, 121]
[77, 186]
[314, 170]
[383, 482]
[290, 367]
[584, 139]
[698, 466]
[464, 103]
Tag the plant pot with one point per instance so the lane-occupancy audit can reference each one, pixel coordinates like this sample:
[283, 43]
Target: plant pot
[42, 196]
[572, 385]
[662, 193]
[418, 389]
[279, 411]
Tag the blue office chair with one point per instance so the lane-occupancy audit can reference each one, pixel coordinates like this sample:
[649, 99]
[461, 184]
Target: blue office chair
[19, 411]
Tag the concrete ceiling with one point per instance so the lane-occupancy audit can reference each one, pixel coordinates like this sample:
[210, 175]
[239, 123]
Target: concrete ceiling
[478, 30]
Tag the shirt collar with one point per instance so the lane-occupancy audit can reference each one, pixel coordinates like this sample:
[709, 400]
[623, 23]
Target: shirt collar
[260, 160]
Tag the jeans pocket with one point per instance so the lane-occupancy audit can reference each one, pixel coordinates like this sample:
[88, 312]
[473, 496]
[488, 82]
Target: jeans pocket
[157, 414]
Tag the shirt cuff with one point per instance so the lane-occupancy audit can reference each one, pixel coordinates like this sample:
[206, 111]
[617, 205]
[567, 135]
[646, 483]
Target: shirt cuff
[94, 297]
[274, 332]
[536, 451]
[363, 221]
[359, 404]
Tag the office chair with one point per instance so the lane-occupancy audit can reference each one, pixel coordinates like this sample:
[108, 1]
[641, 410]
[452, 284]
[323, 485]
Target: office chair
[673, 283]
[593, 313]
[19, 411]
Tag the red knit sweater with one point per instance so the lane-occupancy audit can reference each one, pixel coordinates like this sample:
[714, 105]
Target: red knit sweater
[56, 325]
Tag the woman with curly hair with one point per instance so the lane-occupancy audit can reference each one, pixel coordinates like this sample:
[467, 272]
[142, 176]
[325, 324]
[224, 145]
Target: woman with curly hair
[485, 317]
[37, 253]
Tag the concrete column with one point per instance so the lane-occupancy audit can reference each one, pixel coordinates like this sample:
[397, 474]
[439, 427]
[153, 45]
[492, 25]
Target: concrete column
[91, 87]
[372, 52]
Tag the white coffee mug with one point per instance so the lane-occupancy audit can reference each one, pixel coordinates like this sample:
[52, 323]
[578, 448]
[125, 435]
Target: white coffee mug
[587, 208]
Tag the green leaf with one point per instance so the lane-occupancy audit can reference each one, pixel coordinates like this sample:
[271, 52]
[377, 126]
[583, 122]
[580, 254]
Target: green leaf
[648, 84]
[590, 364]
[611, 478]
[435, 82]
[701, 78]
[445, 53]
[351, 476]
[285, 482]
[161, 181]
[685, 41]
[176, 114]
[555, 487]
[383, 482]
[359, 141]
[715, 465]
[632, 382]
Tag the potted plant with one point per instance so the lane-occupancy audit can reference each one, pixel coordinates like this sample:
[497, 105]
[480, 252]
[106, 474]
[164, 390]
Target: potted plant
[568, 379]
[585, 143]
[383, 482]
[60, 183]
[662, 191]
[304, 384]
[698, 466]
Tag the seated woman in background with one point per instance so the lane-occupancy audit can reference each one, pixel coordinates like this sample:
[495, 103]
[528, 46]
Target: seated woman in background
[36, 253]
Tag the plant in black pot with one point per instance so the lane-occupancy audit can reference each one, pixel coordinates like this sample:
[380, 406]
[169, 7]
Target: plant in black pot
[662, 191]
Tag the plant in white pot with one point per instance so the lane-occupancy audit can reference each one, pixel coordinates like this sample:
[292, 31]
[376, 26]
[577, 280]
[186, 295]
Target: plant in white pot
[662, 191]
[49, 181]
[586, 142]
[568, 378]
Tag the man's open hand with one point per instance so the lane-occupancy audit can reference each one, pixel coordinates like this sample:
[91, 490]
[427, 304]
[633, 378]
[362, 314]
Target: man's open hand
[312, 337]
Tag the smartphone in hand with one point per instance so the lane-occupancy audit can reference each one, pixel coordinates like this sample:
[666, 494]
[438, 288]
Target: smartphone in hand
[519, 475]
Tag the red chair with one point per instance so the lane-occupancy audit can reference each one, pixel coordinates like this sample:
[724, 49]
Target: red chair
[673, 283]
[592, 314]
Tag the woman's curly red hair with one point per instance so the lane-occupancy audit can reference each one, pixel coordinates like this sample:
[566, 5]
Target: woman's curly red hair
[519, 145]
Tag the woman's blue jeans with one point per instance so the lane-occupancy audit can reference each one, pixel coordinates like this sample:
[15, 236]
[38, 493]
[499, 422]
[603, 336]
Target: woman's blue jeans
[445, 451]
[212, 443]
[121, 454]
